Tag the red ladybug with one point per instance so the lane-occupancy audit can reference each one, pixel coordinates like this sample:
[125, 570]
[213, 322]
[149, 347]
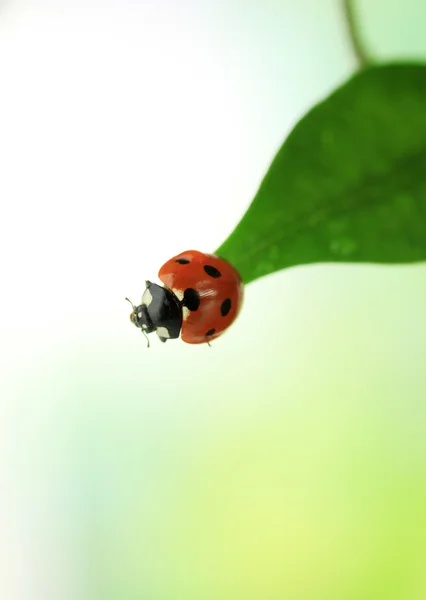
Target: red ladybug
[201, 297]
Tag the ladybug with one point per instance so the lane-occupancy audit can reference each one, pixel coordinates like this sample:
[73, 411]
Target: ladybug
[201, 297]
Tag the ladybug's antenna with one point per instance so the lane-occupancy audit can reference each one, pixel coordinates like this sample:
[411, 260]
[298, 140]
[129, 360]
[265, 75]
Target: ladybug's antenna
[143, 332]
[133, 306]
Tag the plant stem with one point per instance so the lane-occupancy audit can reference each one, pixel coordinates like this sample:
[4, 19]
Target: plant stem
[360, 52]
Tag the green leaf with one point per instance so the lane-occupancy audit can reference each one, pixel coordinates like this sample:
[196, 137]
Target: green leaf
[348, 184]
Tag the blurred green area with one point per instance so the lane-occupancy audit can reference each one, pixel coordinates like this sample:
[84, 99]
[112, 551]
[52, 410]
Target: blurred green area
[392, 29]
[298, 470]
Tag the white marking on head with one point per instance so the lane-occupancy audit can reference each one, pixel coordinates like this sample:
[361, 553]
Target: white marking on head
[163, 332]
[185, 312]
[140, 315]
[147, 297]
[144, 326]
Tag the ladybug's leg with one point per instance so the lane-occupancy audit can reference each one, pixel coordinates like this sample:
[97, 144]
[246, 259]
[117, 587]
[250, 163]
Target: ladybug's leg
[146, 337]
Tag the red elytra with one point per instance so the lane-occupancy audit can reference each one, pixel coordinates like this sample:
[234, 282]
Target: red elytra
[217, 285]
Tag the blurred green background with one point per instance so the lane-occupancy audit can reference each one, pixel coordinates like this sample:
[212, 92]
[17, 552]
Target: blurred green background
[288, 460]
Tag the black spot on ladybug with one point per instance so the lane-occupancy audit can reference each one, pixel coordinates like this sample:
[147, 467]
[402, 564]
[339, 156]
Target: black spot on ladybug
[182, 261]
[191, 299]
[225, 307]
[210, 332]
[212, 271]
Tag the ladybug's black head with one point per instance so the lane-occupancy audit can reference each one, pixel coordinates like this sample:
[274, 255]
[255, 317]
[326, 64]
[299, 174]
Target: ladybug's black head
[159, 311]
[140, 317]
